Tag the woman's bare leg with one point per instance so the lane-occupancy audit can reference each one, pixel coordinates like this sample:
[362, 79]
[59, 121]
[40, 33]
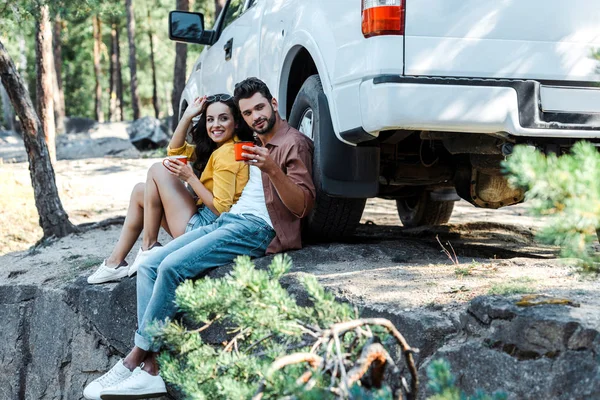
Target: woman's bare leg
[165, 196]
[132, 227]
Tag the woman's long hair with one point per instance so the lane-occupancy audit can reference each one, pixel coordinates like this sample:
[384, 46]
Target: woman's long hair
[204, 144]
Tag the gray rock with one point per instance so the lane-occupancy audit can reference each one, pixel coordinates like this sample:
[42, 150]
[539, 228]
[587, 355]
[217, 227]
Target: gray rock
[12, 148]
[80, 125]
[147, 133]
[539, 352]
[54, 342]
[56, 339]
[85, 145]
[9, 136]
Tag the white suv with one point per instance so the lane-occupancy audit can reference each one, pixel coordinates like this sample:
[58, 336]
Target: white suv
[413, 100]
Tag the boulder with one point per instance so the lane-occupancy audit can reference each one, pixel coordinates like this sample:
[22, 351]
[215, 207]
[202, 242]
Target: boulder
[148, 133]
[80, 125]
[105, 140]
[12, 148]
[58, 334]
[544, 351]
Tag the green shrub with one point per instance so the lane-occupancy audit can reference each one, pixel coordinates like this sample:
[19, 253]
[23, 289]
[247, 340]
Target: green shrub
[276, 347]
[566, 190]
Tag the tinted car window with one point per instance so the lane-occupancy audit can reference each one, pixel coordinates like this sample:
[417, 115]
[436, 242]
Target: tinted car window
[235, 10]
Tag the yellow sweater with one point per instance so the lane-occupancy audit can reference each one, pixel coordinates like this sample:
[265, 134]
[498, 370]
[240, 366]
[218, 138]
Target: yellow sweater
[223, 176]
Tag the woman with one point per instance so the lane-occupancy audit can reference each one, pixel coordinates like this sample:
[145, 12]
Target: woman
[164, 199]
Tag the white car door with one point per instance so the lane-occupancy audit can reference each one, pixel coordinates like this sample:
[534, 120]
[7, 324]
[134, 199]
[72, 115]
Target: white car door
[227, 59]
[246, 41]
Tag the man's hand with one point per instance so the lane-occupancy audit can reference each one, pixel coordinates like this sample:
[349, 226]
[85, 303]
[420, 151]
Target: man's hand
[290, 193]
[259, 157]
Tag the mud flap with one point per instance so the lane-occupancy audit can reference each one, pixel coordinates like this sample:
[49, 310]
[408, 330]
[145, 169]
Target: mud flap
[346, 171]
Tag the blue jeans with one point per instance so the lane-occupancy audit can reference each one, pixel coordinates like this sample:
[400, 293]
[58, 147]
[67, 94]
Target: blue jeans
[204, 216]
[186, 257]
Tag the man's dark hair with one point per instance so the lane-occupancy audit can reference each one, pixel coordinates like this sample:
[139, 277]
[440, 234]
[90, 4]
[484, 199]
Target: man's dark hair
[248, 88]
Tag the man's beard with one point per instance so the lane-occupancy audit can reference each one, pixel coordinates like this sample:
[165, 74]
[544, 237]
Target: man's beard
[270, 124]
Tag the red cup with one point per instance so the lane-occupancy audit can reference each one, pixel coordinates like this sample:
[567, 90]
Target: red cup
[239, 150]
[183, 159]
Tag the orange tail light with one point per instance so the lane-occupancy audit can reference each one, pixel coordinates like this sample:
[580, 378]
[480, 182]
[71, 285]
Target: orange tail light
[382, 17]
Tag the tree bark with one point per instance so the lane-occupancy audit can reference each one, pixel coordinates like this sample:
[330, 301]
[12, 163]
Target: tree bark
[22, 67]
[97, 29]
[155, 100]
[219, 4]
[45, 80]
[166, 102]
[121, 102]
[135, 99]
[180, 70]
[113, 103]
[59, 93]
[7, 111]
[53, 218]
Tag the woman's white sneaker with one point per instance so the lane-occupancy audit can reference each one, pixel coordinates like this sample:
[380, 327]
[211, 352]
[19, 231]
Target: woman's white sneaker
[140, 385]
[106, 274]
[141, 257]
[116, 374]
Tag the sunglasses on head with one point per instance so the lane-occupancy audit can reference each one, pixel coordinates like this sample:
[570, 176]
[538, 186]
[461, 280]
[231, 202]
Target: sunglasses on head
[219, 97]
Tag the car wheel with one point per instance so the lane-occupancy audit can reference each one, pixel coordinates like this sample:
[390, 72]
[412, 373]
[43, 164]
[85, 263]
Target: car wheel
[332, 218]
[422, 210]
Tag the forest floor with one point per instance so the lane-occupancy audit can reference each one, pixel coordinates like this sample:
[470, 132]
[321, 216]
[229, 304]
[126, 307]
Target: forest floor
[496, 249]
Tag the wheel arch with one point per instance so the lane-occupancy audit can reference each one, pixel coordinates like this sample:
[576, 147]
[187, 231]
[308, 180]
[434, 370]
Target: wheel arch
[298, 66]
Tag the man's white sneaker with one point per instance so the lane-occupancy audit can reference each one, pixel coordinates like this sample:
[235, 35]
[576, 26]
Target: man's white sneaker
[142, 256]
[106, 274]
[116, 374]
[140, 385]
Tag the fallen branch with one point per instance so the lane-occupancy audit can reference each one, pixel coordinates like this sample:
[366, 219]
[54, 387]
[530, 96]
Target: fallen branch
[296, 358]
[88, 226]
[375, 355]
[341, 327]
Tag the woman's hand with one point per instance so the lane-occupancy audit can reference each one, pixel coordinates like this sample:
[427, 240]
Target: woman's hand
[181, 170]
[195, 108]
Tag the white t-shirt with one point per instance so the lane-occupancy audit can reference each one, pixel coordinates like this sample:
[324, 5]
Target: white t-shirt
[252, 200]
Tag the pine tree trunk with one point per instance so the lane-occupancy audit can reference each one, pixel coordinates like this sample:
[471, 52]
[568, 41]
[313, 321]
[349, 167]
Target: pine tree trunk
[59, 93]
[53, 218]
[22, 67]
[45, 80]
[97, 29]
[135, 100]
[7, 111]
[155, 100]
[219, 4]
[179, 75]
[166, 102]
[121, 102]
[113, 103]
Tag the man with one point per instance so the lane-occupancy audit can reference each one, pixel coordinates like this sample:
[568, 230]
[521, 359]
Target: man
[266, 219]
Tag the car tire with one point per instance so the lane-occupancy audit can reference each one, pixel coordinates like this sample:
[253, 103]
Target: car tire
[332, 218]
[422, 210]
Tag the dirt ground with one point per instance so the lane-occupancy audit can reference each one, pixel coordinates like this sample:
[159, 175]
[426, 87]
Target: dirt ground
[383, 263]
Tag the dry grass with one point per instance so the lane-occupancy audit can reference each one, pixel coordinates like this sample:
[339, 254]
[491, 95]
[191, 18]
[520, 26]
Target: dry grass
[19, 217]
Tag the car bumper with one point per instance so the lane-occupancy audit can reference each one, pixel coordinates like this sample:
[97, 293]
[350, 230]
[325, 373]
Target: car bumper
[391, 102]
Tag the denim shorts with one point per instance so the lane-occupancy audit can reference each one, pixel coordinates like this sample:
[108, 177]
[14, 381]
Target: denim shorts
[204, 216]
